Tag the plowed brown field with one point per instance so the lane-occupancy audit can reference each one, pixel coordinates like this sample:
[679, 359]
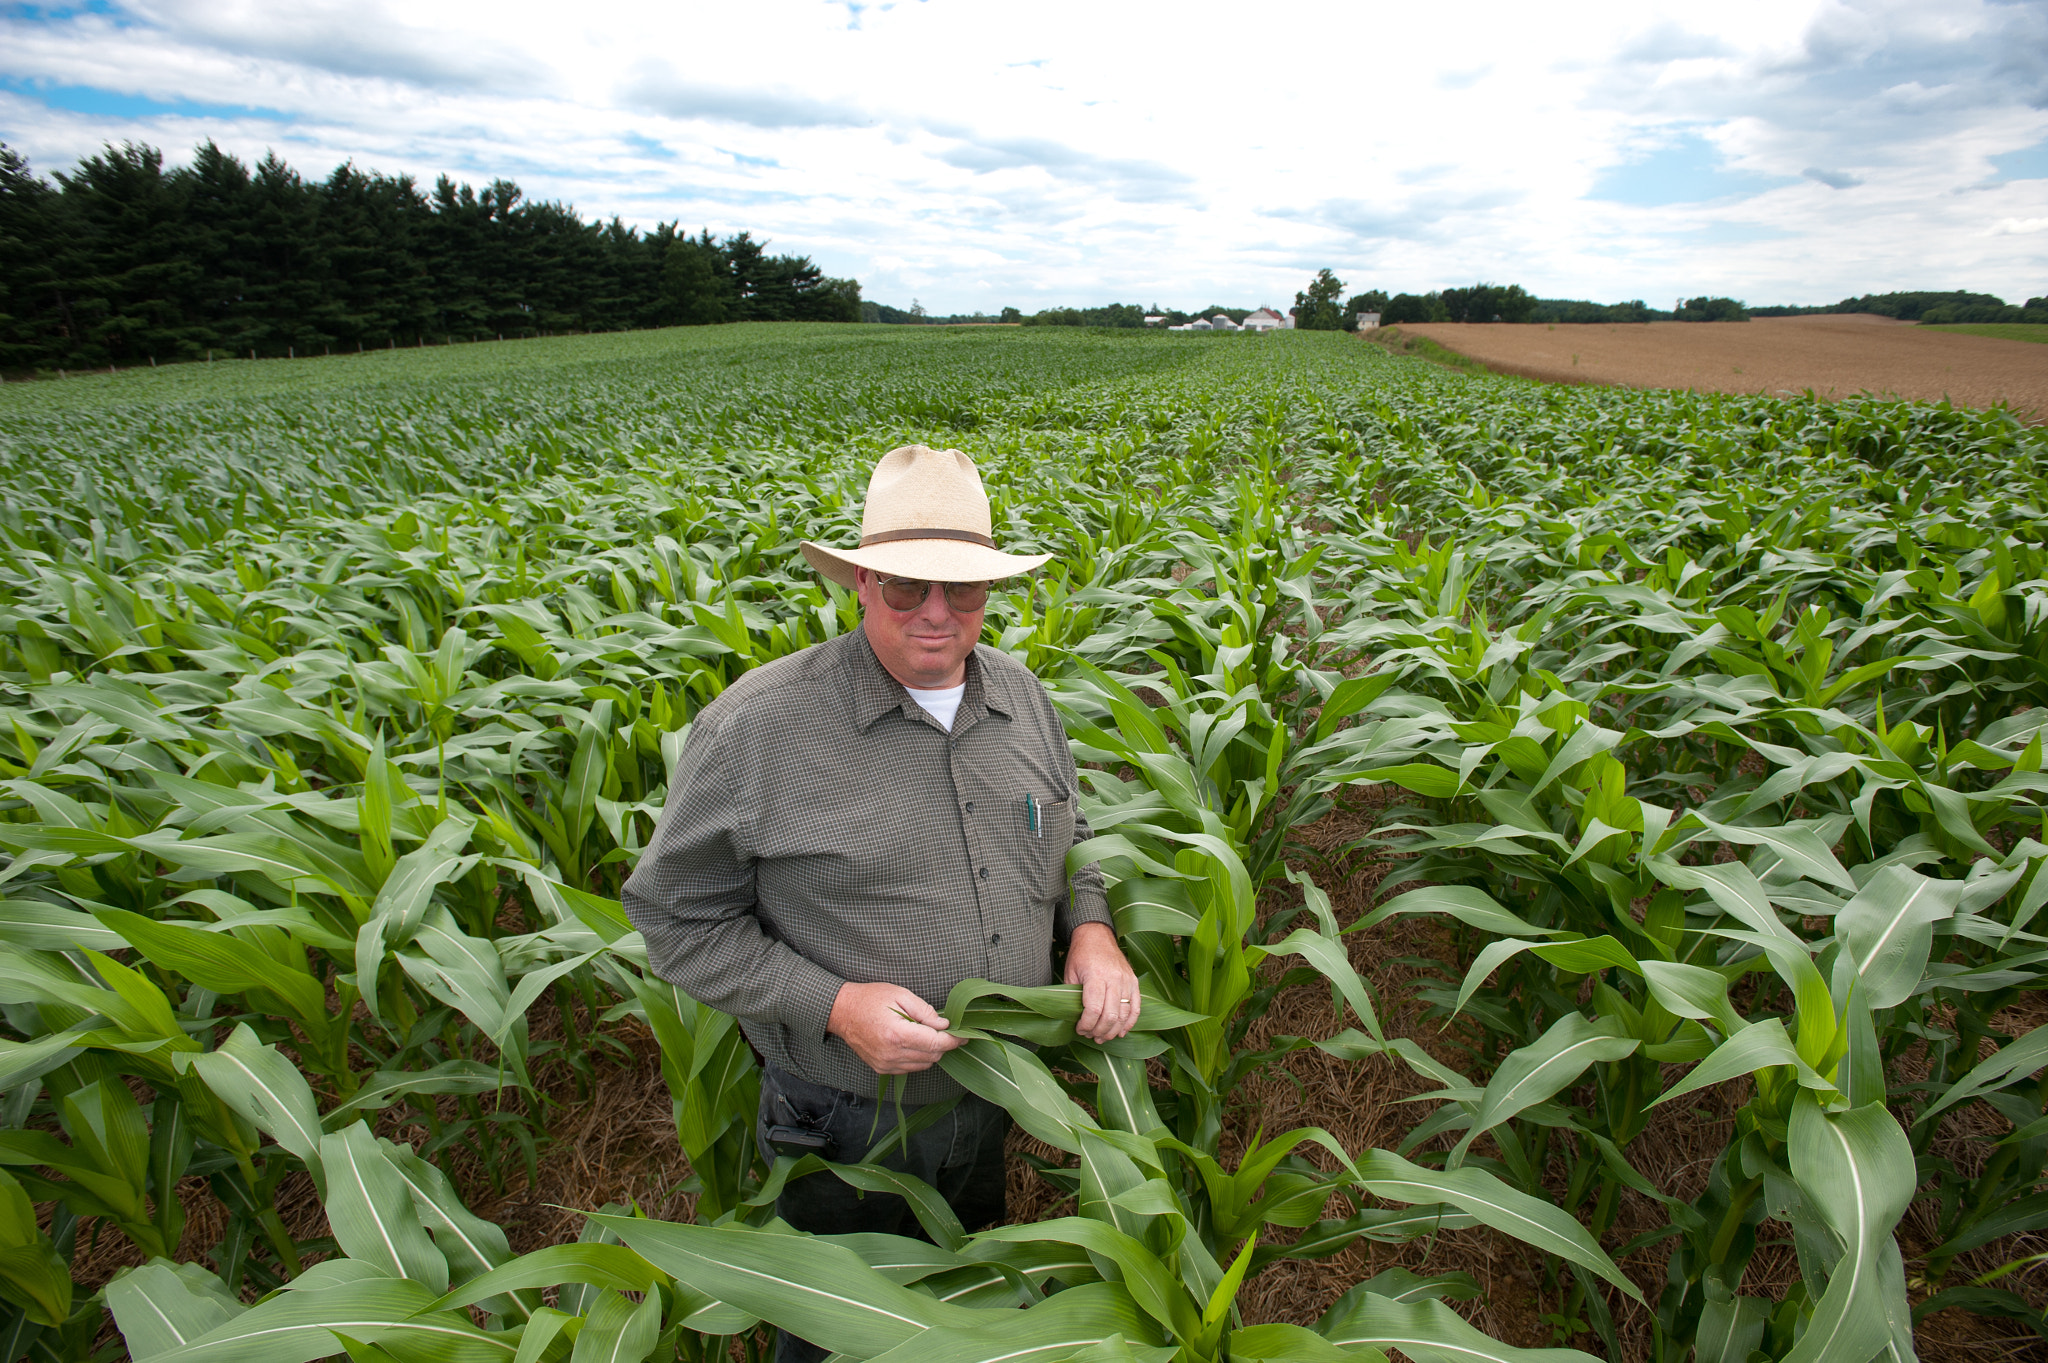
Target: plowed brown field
[1835, 356]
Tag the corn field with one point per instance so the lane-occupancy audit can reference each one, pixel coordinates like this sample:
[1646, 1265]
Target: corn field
[1696, 744]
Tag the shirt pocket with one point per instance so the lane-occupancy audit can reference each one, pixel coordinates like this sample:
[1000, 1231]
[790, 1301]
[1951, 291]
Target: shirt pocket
[1045, 832]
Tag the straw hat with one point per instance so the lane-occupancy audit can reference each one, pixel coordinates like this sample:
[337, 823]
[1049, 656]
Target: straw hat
[926, 516]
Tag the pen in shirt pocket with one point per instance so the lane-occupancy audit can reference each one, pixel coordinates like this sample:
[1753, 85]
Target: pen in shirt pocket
[1031, 820]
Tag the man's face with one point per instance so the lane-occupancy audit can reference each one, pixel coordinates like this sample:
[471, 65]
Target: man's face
[924, 647]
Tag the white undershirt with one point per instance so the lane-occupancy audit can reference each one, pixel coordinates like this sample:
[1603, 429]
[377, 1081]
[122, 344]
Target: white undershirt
[941, 704]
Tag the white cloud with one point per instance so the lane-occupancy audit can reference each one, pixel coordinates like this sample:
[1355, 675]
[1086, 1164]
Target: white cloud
[975, 156]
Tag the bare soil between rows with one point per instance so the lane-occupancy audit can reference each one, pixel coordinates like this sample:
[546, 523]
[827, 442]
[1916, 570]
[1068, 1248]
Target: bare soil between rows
[1833, 356]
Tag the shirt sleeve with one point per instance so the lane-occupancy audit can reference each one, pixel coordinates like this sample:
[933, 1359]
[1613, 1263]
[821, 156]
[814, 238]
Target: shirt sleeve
[1085, 900]
[692, 897]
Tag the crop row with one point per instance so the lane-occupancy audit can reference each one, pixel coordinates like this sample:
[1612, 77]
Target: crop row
[339, 708]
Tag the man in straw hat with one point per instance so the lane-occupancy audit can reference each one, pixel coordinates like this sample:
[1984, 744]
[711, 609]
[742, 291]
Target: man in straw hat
[854, 829]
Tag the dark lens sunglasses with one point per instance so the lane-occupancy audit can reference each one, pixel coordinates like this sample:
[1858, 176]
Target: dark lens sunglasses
[908, 593]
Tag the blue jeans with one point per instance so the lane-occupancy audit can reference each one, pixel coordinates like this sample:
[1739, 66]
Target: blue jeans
[960, 1155]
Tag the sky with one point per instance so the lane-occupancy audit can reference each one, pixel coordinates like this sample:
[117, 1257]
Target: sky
[972, 155]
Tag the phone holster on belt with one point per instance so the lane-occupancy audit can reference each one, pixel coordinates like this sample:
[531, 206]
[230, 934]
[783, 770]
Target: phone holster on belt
[800, 1141]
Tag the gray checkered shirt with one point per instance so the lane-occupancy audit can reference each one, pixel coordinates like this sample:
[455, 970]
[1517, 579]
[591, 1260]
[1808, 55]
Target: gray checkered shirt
[821, 827]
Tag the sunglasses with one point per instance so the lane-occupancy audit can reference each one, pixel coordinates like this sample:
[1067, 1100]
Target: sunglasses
[908, 593]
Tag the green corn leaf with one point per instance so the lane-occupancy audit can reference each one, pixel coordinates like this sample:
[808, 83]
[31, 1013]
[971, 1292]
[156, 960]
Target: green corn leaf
[1427, 1332]
[471, 1245]
[821, 1292]
[1279, 1343]
[1109, 1177]
[541, 1332]
[1468, 905]
[1537, 1071]
[2016, 1059]
[1056, 1329]
[933, 1215]
[1486, 1198]
[1731, 1328]
[1141, 904]
[1122, 1095]
[299, 1326]
[1151, 1284]
[1331, 961]
[217, 961]
[1419, 777]
[1059, 1002]
[2027, 1214]
[33, 1275]
[386, 1087]
[268, 1090]
[21, 1061]
[1757, 1046]
[597, 1264]
[34, 925]
[1224, 1296]
[618, 1331]
[1692, 991]
[1813, 1002]
[1350, 696]
[1856, 1169]
[160, 1306]
[371, 1210]
[984, 1066]
[1384, 1224]
[402, 903]
[361, 1352]
[1889, 928]
[1586, 955]
[1797, 845]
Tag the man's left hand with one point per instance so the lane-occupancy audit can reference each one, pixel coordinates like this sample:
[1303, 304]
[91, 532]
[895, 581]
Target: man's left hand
[1109, 988]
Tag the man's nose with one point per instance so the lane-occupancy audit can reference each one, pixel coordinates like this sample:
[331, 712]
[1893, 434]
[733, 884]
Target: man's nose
[934, 610]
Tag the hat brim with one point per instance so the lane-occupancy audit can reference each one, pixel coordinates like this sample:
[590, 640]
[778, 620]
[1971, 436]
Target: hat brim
[931, 560]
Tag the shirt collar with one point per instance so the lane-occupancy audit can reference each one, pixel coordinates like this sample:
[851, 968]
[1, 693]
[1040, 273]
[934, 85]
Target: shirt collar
[876, 693]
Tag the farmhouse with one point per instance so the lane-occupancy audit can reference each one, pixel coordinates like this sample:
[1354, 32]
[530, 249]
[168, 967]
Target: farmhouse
[1265, 319]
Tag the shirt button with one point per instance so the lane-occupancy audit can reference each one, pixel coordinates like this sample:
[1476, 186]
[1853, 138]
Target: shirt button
[995, 939]
[970, 806]
[984, 873]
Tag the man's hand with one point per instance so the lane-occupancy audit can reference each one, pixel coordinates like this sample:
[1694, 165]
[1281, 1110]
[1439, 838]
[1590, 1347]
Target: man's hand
[1109, 990]
[890, 1028]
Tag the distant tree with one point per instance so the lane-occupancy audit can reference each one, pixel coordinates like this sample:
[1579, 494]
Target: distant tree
[834, 300]
[1012, 315]
[1573, 310]
[29, 317]
[1704, 309]
[697, 282]
[1488, 303]
[1372, 300]
[125, 271]
[123, 261]
[916, 308]
[1316, 308]
[1412, 307]
[1126, 315]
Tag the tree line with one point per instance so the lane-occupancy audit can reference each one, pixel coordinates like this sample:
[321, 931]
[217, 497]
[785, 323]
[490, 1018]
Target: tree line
[1933, 308]
[122, 261]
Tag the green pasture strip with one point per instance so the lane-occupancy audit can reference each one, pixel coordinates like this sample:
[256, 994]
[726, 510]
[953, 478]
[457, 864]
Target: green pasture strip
[1397, 342]
[337, 697]
[2000, 331]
